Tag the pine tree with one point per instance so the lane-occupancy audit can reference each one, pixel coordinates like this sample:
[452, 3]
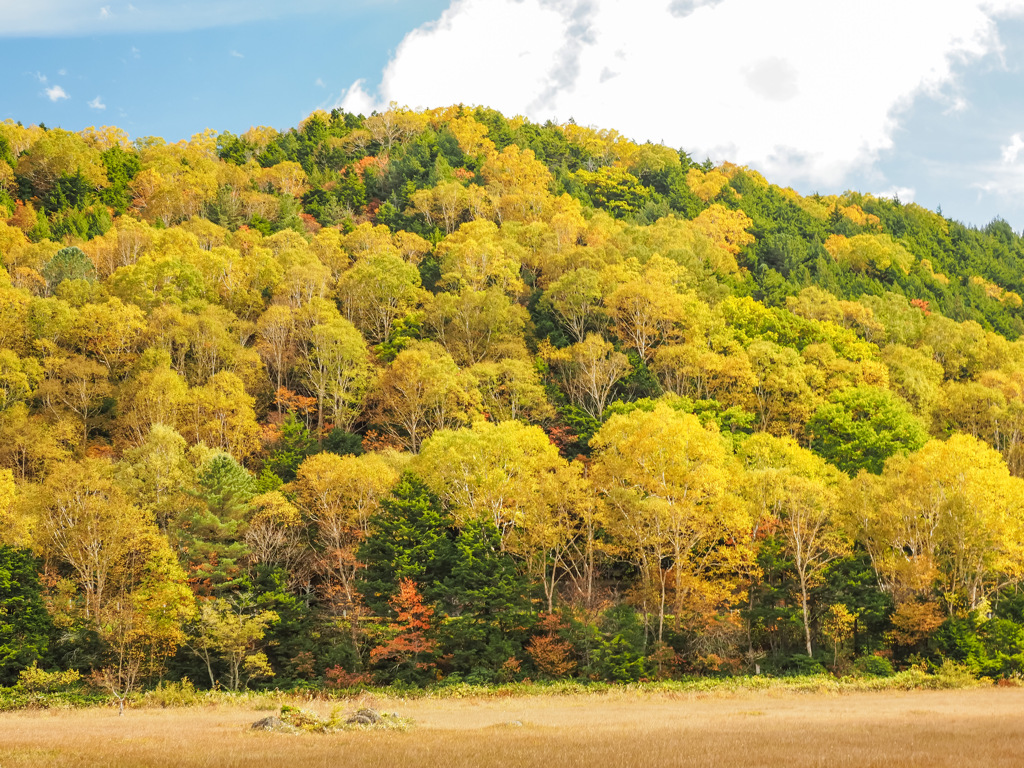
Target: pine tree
[25, 625]
[489, 604]
[209, 534]
[410, 538]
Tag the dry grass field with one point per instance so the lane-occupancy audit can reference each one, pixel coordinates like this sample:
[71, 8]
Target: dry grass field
[982, 727]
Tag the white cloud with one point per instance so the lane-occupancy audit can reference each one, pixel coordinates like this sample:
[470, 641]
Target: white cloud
[959, 104]
[804, 90]
[319, 83]
[355, 99]
[105, 12]
[56, 93]
[903, 194]
[1012, 150]
[237, 55]
[97, 103]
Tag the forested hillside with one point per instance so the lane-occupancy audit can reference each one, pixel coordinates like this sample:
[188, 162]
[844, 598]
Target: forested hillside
[449, 396]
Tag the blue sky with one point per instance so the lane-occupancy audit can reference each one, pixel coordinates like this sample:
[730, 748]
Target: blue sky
[916, 98]
[227, 70]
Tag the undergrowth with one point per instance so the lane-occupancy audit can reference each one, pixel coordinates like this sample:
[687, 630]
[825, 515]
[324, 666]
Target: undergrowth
[74, 694]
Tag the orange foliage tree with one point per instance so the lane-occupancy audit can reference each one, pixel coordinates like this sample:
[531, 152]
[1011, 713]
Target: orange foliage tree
[408, 655]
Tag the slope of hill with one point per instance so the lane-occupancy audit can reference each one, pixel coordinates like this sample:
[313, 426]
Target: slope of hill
[447, 394]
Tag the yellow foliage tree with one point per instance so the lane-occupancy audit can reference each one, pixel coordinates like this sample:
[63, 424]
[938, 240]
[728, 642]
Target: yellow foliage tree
[946, 521]
[511, 475]
[421, 391]
[667, 483]
[706, 186]
[338, 495]
[869, 253]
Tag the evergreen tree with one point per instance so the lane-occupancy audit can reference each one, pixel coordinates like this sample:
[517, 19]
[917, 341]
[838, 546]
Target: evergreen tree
[209, 532]
[68, 264]
[295, 445]
[489, 604]
[410, 538]
[25, 625]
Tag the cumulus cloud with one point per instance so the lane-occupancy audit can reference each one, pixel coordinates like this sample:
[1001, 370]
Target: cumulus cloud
[1012, 150]
[56, 93]
[804, 90]
[97, 103]
[355, 99]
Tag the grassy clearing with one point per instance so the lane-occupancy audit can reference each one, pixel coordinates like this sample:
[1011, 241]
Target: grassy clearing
[618, 727]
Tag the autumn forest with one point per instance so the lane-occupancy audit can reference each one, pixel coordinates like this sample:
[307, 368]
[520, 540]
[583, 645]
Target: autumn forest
[432, 397]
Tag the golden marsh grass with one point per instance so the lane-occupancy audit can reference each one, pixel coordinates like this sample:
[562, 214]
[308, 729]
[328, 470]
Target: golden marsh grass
[982, 727]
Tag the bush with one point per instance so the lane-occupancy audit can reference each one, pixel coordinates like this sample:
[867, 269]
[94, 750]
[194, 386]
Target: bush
[38, 689]
[173, 694]
[874, 666]
[953, 675]
[35, 680]
[618, 660]
[338, 678]
[619, 653]
[801, 664]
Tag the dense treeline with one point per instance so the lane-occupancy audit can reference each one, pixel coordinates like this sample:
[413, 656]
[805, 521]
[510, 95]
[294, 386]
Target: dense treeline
[449, 396]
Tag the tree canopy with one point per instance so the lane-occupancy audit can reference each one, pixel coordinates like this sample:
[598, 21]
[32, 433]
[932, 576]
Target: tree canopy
[443, 394]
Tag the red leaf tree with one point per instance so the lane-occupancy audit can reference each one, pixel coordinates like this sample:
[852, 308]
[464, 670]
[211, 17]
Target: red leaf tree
[409, 654]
